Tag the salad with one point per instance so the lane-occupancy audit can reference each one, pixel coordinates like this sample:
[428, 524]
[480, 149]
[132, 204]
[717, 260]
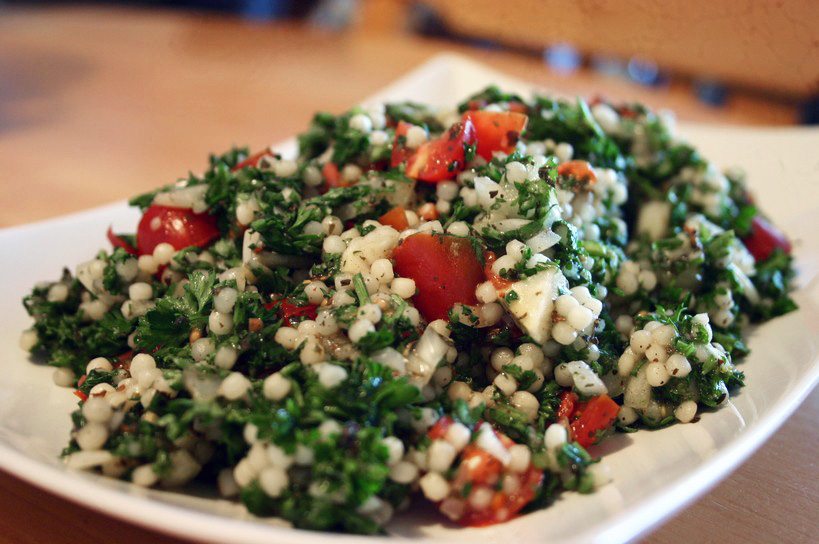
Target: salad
[449, 306]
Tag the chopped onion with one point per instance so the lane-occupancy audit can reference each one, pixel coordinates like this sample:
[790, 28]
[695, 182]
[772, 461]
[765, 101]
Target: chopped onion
[542, 241]
[391, 358]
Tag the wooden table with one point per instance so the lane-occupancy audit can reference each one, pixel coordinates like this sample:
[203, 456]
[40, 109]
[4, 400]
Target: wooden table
[99, 104]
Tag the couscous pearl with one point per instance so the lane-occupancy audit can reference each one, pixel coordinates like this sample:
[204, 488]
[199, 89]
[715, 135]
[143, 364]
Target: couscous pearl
[313, 228]
[459, 390]
[57, 293]
[515, 172]
[330, 376]
[640, 341]
[501, 357]
[416, 136]
[564, 333]
[351, 173]
[359, 329]
[285, 168]
[97, 410]
[565, 304]
[225, 357]
[202, 348]
[490, 313]
[624, 325]
[234, 386]
[92, 436]
[127, 269]
[276, 387]
[434, 486]
[532, 351]
[656, 374]
[453, 508]
[63, 377]
[403, 287]
[627, 415]
[458, 228]
[304, 456]
[564, 151]
[446, 190]
[555, 436]
[99, 363]
[140, 291]
[225, 300]
[315, 292]
[361, 122]
[331, 225]
[147, 264]
[163, 253]
[278, 457]
[458, 435]
[601, 473]
[326, 323]
[519, 458]
[480, 497]
[220, 323]
[288, 337]
[382, 271]
[580, 317]
[656, 353]
[678, 366]
[312, 176]
[273, 480]
[227, 483]
[329, 427]
[442, 376]
[686, 411]
[505, 383]
[486, 292]
[403, 472]
[523, 362]
[343, 298]
[563, 375]
[101, 390]
[312, 352]
[526, 403]
[142, 362]
[663, 335]
[395, 450]
[440, 456]
[144, 476]
[379, 138]
[28, 340]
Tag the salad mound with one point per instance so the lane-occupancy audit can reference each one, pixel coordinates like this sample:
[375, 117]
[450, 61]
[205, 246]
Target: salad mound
[452, 306]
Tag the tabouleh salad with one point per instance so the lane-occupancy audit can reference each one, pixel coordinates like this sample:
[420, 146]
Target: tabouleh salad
[452, 306]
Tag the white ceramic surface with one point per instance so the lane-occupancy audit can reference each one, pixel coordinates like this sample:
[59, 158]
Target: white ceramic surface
[655, 473]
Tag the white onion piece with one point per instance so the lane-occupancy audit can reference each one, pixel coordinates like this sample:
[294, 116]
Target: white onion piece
[542, 241]
[192, 197]
[391, 358]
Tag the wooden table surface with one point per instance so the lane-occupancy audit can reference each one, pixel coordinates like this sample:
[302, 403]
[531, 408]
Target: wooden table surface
[99, 104]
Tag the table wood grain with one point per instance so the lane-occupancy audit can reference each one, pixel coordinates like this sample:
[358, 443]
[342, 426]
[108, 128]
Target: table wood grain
[99, 104]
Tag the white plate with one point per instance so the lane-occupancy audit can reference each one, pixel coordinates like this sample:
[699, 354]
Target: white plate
[655, 473]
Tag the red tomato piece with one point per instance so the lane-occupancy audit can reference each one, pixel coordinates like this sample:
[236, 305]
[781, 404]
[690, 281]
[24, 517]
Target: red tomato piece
[479, 468]
[568, 404]
[292, 314]
[116, 241]
[395, 218]
[443, 157]
[445, 269]
[593, 417]
[80, 395]
[179, 227]
[764, 239]
[428, 212]
[332, 176]
[440, 428]
[400, 151]
[496, 130]
[579, 170]
[253, 160]
[501, 284]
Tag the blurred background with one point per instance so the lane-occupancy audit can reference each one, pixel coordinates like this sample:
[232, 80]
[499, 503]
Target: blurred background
[148, 88]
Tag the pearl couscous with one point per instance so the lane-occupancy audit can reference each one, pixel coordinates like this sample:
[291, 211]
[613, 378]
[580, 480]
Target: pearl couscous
[452, 306]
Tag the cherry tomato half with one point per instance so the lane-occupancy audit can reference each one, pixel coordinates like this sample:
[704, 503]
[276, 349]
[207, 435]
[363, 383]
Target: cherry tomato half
[179, 227]
[443, 157]
[496, 130]
[445, 269]
[764, 239]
